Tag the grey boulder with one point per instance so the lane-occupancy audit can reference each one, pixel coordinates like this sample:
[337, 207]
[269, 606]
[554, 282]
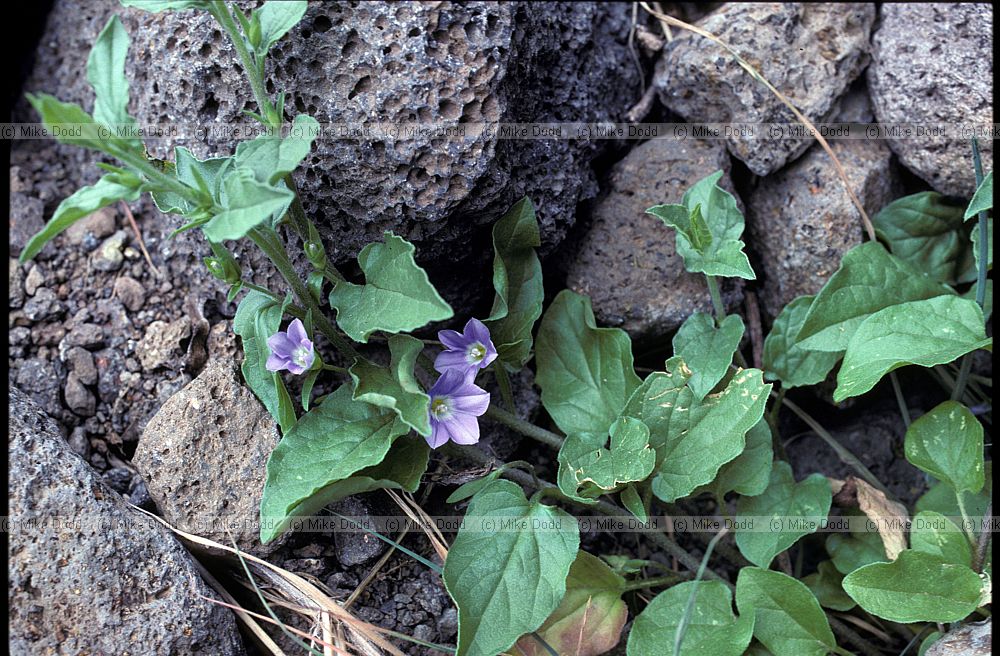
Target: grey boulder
[88, 574]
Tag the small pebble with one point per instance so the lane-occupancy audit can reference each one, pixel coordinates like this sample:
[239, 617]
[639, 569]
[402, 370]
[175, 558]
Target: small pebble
[130, 292]
[109, 256]
[34, 280]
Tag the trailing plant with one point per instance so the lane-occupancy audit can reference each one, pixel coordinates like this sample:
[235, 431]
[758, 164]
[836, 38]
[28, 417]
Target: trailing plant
[698, 427]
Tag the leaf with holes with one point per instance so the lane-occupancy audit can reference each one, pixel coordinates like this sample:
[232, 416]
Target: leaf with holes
[869, 279]
[701, 437]
[601, 469]
[787, 617]
[708, 349]
[925, 333]
[589, 620]
[397, 295]
[713, 629]
[507, 581]
[800, 507]
[585, 372]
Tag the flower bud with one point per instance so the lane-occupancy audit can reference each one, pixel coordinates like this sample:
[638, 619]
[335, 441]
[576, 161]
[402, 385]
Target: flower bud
[316, 254]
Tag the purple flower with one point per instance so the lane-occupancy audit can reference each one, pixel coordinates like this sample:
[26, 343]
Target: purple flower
[290, 350]
[468, 351]
[455, 404]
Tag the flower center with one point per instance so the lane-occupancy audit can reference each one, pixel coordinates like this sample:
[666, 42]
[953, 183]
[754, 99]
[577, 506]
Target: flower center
[477, 352]
[301, 356]
[439, 408]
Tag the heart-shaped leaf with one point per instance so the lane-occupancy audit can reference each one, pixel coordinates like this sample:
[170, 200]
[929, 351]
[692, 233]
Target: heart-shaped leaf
[787, 617]
[708, 349]
[785, 359]
[947, 443]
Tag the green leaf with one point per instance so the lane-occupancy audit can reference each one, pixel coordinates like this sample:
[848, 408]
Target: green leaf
[851, 551]
[800, 508]
[714, 630]
[947, 443]
[286, 411]
[466, 490]
[277, 18]
[156, 6]
[933, 533]
[709, 227]
[925, 333]
[928, 642]
[106, 74]
[916, 587]
[272, 158]
[334, 440]
[869, 279]
[61, 120]
[788, 619]
[982, 200]
[394, 387]
[928, 232]
[701, 437]
[517, 279]
[257, 318]
[708, 349]
[634, 502]
[83, 202]
[785, 359]
[826, 585]
[508, 580]
[589, 620]
[206, 176]
[655, 400]
[397, 295]
[750, 472]
[585, 372]
[941, 498]
[587, 462]
[988, 304]
[248, 203]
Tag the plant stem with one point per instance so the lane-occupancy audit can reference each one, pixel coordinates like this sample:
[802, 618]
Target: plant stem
[220, 11]
[268, 242]
[904, 412]
[984, 252]
[713, 291]
[503, 382]
[845, 456]
[966, 521]
[983, 544]
[525, 428]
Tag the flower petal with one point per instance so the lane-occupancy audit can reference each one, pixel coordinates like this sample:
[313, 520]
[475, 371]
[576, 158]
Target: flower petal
[276, 362]
[297, 332]
[472, 403]
[439, 434]
[476, 331]
[281, 345]
[450, 380]
[295, 368]
[464, 429]
[451, 360]
[453, 339]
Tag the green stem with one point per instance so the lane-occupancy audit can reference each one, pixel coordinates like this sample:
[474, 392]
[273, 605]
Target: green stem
[220, 11]
[262, 290]
[984, 252]
[904, 412]
[525, 428]
[655, 582]
[336, 369]
[716, 294]
[503, 382]
[268, 242]
[845, 456]
[983, 544]
[966, 521]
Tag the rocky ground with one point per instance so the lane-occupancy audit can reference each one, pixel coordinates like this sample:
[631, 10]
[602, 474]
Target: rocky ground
[123, 372]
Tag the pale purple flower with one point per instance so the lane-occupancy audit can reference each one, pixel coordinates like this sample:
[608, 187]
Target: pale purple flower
[290, 350]
[455, 405]
[467, 351]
